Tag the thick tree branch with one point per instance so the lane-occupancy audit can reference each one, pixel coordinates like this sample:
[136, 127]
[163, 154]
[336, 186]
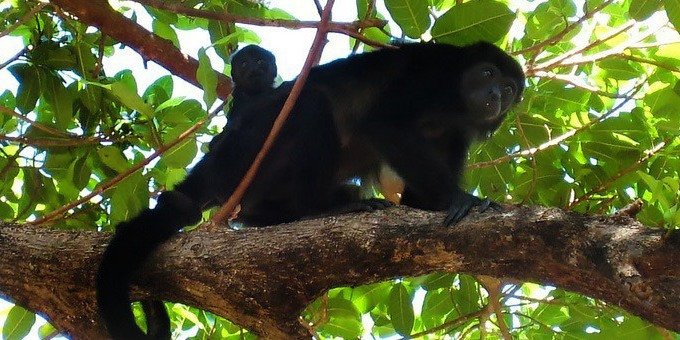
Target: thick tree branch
[262, 278]
[99, 14]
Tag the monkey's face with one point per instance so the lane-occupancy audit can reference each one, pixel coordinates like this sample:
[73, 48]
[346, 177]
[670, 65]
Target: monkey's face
[253, 69]
[488, 93]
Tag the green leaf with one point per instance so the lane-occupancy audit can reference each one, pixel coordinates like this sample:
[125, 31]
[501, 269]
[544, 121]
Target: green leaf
[129, 198]
[673, 12]
[551, 314]
[165, 31]
[181, 155]
[436, 305]
[159, 91]
[81, 172]
[129, 98]
[18, 323]
[643, 9]
[545, 20]
[438, 280]
[185, 313]
[620, 69]
[400, 309]
[411, 15]
[6, 211]
[59, 99]
[366, 297]
[473, 21]
[29, 86]
[467, 297]
[113, 158]
[344, 319]
[172, 102]
[219, 30]
[47, 330]
[207, 77]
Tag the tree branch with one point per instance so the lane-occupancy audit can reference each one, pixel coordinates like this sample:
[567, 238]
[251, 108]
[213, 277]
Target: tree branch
[261, 278]
[99, 14]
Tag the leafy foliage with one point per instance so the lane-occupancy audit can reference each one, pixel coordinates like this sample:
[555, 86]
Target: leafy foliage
[598, 128]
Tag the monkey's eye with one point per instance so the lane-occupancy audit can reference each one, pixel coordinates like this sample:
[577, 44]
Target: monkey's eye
[487, 73]
[260, 62]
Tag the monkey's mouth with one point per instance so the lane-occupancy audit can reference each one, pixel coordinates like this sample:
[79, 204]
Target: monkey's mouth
[492, 108]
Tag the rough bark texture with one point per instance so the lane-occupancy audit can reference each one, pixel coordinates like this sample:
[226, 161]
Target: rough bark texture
[262, 278]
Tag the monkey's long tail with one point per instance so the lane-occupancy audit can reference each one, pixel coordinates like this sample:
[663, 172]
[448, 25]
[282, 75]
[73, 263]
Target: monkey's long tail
[132, 244]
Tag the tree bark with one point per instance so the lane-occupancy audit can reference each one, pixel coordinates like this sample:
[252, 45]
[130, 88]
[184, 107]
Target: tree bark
[261, 278]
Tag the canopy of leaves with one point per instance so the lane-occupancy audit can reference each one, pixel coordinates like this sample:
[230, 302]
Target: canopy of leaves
[598, 128]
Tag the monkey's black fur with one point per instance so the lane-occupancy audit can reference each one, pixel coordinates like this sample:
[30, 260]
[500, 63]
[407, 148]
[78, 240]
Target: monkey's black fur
[253, 70]
[415, 109]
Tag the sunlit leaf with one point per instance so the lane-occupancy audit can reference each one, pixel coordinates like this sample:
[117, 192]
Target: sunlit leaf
[18, 323]
[400, 309]
[469, 22]
[207, 78]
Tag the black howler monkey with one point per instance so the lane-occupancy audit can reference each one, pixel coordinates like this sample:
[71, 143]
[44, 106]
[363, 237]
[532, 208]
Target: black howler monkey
[415, 110]
[253, 70]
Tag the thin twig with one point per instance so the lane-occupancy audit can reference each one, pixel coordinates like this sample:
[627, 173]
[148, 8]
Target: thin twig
[450, 324]
[13, 58]
[561, 59]
[46, 142]
[570, 27]
[23, 19]
[649, 61]
[112, 182]
[319, 8]
[647, 155]
[39, 126]
[493, 286]
[574, 81]
[231, 18]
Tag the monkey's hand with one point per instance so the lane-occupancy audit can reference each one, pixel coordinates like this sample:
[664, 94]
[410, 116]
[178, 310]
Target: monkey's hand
[461, 205]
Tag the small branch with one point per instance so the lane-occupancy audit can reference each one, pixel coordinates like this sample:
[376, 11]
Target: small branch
[534, 173]
[98, 13]
[123, 175]
[39, 126]
[649, 61]
[315, 51]
[561, 59]
[230, 18]
[574, 81]
[13, 58]
[100, 57]
[50, 143]
[319, 8]
[647, 155]
[493, 286]
[450, 324]
[570, 27]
